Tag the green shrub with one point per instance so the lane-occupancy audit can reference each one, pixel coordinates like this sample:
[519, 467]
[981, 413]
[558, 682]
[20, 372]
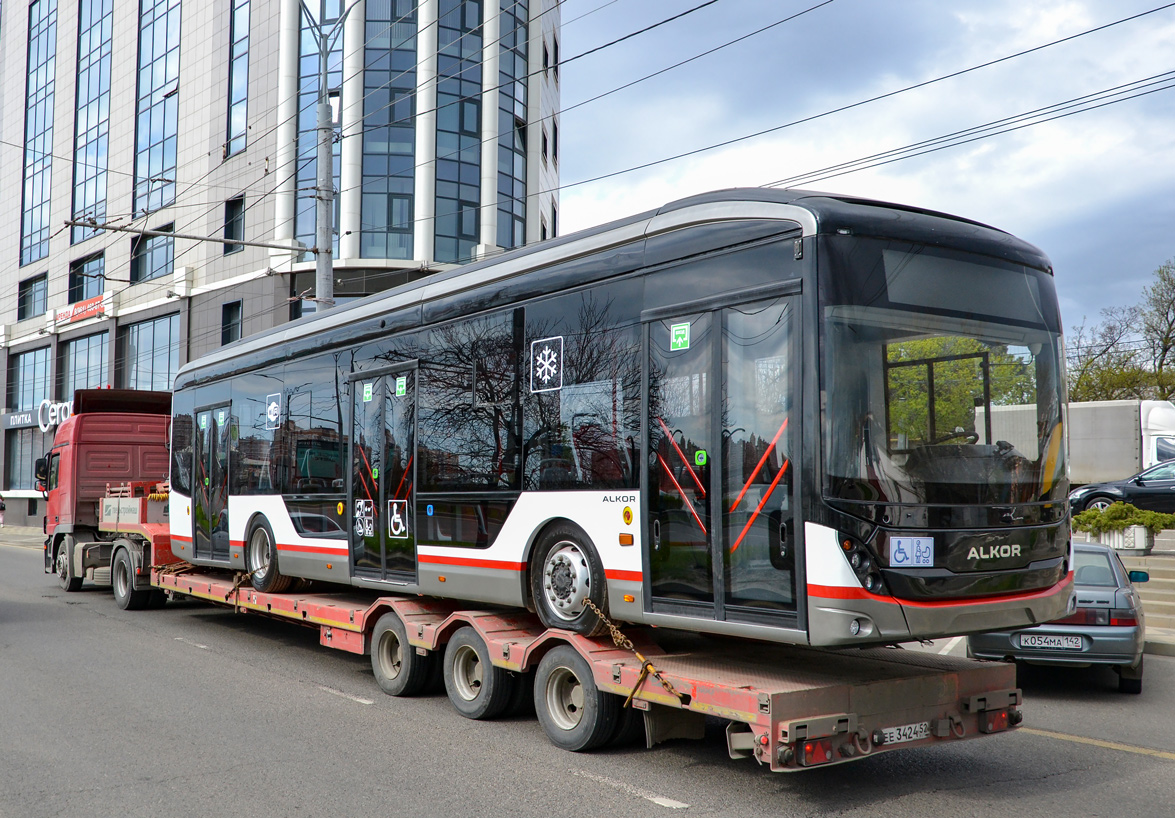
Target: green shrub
[1121, 516]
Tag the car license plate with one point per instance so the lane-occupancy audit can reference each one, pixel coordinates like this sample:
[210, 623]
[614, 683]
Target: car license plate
[1050, 641]
[906, 732]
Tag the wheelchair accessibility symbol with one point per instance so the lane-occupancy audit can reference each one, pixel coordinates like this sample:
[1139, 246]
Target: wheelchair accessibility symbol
[398, 519]
[912, 552]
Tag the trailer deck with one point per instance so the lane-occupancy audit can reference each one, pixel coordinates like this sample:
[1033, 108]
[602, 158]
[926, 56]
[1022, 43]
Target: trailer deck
[788, 707]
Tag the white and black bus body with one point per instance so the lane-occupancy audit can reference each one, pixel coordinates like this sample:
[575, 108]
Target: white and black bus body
[750, 412]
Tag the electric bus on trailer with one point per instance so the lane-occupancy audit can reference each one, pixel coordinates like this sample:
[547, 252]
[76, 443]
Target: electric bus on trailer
[749, 412]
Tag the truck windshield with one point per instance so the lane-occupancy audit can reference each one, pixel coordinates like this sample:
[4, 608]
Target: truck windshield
[920, 346]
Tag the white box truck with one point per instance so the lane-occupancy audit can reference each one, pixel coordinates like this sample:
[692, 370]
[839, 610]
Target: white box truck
[1108, 439]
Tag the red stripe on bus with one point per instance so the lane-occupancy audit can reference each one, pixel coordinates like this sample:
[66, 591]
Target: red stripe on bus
[339, 551]
[627, 576]
[469, 562]
[180, 538]
[840, 592]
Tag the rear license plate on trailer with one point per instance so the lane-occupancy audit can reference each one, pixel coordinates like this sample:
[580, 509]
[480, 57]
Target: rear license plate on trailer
[906, 732]
[1049, 641]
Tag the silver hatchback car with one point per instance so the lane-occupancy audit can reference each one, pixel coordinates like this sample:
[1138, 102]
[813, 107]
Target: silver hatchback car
[1107, 627]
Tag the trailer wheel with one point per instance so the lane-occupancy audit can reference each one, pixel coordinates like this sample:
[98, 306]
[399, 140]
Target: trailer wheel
[476, 688]
[65, 577]
[564, 573]
[122, 578]
[261, 560]
[574, 713]
[399, 670]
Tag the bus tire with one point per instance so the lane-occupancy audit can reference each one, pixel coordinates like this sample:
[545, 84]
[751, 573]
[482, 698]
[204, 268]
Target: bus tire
[64, 565]
[122, 580]
[399, 670]
[565, 570]
[574, 713]
[261, 559]
[476, 688]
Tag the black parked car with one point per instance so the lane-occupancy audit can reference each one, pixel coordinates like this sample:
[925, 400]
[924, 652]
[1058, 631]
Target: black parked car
[1152, 489]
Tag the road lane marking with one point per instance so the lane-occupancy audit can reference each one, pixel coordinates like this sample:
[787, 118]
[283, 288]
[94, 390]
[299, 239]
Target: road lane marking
[659, 800]
[1097, 742]
[342, 695]
[950, 646]
[193, 644]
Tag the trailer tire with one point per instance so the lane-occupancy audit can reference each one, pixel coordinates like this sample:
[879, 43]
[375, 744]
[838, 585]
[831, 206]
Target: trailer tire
[476, 688]
[122, 580]
[64, 565]
[261, 559]
[564, 571]
[574, 713]
[399, 670]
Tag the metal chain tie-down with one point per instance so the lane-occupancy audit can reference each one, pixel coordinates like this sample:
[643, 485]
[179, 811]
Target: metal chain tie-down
[624, 643]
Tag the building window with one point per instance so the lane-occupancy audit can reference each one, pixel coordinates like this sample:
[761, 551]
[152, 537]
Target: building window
[555, 141]
[389, 131]
[305, 206]
[543, 230]
[458, 109]
[555, 55]
[554, 221]
[234, 223]
[546, 145]
[38, 131]
[83, 363]
[512, 98]
[152, 256]
[230, 322]
[22, 447]
[238, 78]
[28, 379]
[148, 354]
[33, 297]
[87, 278]
[158, 106]
[92, 117]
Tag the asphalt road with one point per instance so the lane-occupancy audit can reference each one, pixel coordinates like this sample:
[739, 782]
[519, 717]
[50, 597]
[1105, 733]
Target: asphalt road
[195, 710]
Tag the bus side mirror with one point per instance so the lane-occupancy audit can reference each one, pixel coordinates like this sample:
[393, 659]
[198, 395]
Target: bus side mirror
[41, 469]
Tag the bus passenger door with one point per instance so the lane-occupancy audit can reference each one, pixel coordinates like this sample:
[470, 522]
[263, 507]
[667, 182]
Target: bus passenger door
[721, 487]
[210, 538]
[383, 485]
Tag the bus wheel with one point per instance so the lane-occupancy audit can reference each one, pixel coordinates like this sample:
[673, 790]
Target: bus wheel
[574, 713]
[476, 688]
[261, 560]
[399, 670]
[65, 577]
[564, 573]
[122, 579]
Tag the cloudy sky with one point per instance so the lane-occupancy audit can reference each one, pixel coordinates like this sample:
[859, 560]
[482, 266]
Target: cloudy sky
[1094, 190]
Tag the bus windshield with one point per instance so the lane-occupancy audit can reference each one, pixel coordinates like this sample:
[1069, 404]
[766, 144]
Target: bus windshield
[925, 350]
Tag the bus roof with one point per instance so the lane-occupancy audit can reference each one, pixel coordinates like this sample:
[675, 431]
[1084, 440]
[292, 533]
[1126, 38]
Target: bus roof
[812, 211]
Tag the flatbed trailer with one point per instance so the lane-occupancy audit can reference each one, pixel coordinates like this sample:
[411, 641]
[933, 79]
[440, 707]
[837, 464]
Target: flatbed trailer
[787, 707]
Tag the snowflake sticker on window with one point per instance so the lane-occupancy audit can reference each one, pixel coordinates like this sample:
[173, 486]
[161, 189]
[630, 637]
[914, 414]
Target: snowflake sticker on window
[546, 364]
[273, 411]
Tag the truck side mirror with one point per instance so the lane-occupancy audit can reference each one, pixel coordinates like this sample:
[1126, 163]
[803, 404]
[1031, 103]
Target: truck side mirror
[41, 469]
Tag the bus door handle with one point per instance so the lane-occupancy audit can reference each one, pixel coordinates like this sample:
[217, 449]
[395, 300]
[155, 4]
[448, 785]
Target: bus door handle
[656, 534]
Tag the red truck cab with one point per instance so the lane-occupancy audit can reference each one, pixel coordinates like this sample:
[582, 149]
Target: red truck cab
[113, 436]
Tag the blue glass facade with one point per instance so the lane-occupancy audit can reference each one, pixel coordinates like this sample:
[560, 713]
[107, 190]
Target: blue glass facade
[87, 277]
[158, 105]
[92, 117]
[306, 172]
[238, 79]
[83, 363]
[389, 130]
[149, 353]
[38, 131]
[459, 46]
[152, 256]
[512, 75]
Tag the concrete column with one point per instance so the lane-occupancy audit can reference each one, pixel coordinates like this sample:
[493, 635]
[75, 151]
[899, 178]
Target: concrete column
[351, 151]
[426, 132]
[490, 128]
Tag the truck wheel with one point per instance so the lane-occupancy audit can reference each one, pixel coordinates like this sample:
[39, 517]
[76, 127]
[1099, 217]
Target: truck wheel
[564, 572]
[399, 670]
[65, 577]
[476, 688]
[122, 578]
[261, 560]
[574, 713]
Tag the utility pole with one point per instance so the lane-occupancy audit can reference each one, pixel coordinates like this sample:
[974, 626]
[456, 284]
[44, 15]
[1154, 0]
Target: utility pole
[324, 281]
